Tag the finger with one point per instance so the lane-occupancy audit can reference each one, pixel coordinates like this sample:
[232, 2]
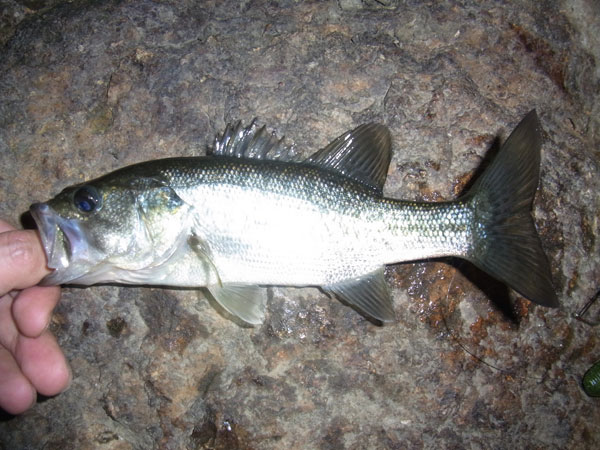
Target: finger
[5, 226]
[8, 329]
[43, 363]
[17, 394]
[23, 260]
[33, 307]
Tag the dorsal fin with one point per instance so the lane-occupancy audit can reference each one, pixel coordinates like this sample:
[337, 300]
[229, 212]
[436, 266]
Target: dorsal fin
[252, 142]
[363, 154]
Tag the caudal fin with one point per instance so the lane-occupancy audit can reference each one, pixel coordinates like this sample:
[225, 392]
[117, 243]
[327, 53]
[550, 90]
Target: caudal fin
[506, 243]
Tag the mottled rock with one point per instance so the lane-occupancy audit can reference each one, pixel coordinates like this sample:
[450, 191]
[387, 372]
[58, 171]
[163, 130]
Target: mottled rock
[87, 87]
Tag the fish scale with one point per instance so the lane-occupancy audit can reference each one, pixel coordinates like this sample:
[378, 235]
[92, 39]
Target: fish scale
[343, 227]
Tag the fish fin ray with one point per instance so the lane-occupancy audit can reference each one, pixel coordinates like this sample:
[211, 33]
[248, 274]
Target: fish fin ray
[369, 293]
[362, 154]
[244, 301]
[252, 142]
[506, 244]
[202, 252]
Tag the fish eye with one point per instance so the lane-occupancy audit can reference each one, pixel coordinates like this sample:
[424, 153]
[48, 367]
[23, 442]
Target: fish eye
[87, 199]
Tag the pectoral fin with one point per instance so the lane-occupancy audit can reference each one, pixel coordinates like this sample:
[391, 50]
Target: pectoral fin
[369, 293]
[246, 302]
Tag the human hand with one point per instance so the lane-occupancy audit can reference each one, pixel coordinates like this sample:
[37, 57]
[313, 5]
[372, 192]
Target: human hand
[30, 359]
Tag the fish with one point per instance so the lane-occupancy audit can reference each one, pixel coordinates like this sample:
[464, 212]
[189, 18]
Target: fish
[251, 214]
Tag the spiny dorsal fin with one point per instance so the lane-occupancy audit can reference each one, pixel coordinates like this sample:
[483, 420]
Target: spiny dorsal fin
[252, 142]
[369, 293]
[363, 154]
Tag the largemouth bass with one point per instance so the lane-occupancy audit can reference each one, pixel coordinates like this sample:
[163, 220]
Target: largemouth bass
[250, 214]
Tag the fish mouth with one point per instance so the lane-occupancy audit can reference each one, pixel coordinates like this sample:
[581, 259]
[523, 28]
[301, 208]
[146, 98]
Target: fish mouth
[62, 240]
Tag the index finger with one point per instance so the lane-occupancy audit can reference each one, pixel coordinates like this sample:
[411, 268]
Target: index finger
[22, 260]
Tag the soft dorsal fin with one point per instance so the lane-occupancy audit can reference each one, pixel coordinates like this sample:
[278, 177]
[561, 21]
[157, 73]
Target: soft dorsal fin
[252, 142]
[363, 154]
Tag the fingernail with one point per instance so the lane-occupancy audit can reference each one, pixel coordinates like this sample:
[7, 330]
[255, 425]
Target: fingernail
[33, 398]
[69, 381]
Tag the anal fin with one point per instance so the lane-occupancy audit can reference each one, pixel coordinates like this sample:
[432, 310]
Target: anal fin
[369, 293]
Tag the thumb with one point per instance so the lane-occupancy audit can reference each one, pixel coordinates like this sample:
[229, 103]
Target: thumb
[22, 259]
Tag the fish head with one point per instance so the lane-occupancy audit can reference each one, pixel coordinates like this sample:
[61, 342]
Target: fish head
[108, 230]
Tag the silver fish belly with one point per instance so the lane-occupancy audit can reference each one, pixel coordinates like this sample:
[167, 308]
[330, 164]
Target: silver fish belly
[251, 215]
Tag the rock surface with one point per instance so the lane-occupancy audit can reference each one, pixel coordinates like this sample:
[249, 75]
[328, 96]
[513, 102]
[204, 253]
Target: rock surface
[87, 87]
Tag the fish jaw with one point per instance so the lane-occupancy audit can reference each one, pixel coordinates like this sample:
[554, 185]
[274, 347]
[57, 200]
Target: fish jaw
[63, 241]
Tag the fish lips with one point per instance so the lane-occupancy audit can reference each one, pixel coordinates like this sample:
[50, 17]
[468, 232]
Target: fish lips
[63, 242]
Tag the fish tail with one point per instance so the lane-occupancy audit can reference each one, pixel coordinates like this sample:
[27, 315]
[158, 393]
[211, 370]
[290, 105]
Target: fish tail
[505, 241]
